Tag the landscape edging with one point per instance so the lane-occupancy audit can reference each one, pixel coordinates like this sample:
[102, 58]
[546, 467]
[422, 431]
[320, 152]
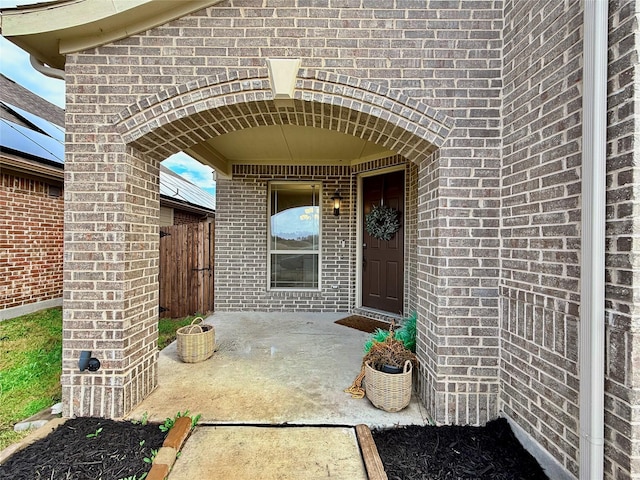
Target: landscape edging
[167, 454]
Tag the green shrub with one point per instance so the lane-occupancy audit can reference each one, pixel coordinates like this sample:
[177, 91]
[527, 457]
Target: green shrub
[406, 333]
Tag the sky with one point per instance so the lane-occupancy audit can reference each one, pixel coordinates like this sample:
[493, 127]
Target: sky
[15, 64]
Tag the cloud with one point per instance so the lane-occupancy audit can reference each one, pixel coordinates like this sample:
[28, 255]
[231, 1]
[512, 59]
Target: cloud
[192, 170]
[14, 64]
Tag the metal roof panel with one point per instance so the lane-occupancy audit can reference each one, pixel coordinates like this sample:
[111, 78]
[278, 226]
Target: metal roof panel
[178, 188]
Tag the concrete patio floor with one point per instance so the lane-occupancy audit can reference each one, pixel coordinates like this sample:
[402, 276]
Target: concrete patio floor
[271, 369]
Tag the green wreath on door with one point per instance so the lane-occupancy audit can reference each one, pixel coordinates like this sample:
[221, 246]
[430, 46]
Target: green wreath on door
[382, 222]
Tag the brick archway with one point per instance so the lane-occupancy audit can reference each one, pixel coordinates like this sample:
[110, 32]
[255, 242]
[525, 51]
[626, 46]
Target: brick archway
[180, 117]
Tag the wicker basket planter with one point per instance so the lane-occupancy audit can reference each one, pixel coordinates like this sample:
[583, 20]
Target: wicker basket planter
[196, 342]
[390, 392]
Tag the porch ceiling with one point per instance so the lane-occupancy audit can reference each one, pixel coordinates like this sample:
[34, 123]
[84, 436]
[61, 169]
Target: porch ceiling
[286, 144]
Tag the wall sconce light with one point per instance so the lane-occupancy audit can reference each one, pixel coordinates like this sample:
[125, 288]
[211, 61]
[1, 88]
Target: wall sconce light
[336, 203]
[87, 362]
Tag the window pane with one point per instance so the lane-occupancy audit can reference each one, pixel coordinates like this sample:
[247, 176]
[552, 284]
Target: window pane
[295, 217]
[294, 270]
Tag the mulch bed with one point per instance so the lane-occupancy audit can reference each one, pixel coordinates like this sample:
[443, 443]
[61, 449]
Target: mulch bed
[411, 453]
[363, 324]
[454, 452]
[116, 452]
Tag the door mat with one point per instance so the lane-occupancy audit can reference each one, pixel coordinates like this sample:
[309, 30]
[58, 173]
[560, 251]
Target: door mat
[363, 324]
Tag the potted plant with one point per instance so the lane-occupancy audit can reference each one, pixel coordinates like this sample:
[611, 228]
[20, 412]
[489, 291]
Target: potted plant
[406, 334]
[390, 355]
[387, 370]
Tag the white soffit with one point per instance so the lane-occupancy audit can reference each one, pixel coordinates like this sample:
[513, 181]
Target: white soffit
[294, 144]
[50, 30]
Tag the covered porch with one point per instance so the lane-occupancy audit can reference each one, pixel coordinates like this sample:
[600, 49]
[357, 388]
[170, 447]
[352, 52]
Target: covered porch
[272, 369]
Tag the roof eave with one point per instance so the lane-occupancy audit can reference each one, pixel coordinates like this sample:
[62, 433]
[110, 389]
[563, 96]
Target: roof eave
[50, 31]
[37, 167]
[166, 201]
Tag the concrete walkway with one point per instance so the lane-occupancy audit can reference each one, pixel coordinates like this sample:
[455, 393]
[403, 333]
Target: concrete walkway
[271, 369]
[265, 453]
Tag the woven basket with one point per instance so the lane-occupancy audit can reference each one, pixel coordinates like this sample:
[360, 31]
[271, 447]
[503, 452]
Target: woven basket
[196, 342]
[390, 392]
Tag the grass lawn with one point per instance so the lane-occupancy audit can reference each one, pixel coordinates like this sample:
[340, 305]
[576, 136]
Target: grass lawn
[30, 368]
[31, 365]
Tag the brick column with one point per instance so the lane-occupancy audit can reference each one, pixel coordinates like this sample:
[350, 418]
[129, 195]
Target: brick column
[457, 296]
[110, 278]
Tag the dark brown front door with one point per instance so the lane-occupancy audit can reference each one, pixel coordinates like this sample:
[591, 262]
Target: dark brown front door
[383, 260]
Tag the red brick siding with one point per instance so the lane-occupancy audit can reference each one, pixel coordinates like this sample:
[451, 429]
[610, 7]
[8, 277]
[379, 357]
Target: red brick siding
[181, 217]
[31, 242]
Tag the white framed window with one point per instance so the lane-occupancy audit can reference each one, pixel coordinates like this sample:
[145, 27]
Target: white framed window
[294, 235]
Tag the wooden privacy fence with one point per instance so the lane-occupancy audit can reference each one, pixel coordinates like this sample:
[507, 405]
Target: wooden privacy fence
[186, 269]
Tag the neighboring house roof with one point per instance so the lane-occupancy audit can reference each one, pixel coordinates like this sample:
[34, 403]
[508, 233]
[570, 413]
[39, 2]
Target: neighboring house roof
[183, 191]
[35, 144]
[31, 136]
[19, 96]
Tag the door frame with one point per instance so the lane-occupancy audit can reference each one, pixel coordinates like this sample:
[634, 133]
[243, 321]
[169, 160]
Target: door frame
[360, 226]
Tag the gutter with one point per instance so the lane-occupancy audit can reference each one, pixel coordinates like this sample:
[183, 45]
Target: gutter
[592, 280]
[190, 207]
[29, 164]
[45, 70]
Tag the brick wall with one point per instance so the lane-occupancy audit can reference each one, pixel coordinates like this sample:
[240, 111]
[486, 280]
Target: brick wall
[111, 236]
[181, 217]
[30, 241]
[494, 85]
[541, 230]
[622, 409]
[540, 218]
[241, 239]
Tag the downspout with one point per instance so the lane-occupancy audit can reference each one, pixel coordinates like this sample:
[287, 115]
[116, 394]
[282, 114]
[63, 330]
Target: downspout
[46, 70]
[594, 125]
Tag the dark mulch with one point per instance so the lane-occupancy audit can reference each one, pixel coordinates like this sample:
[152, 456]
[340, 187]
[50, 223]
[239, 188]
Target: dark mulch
[116, 452]
[454, 452]
[411, 453]
[363, 324]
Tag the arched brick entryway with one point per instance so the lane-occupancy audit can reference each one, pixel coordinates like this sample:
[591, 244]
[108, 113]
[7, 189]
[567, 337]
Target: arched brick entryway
[181, 117]
[178, 118]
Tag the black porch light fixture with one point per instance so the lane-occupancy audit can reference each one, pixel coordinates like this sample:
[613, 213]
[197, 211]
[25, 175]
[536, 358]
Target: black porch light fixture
[336, 203]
